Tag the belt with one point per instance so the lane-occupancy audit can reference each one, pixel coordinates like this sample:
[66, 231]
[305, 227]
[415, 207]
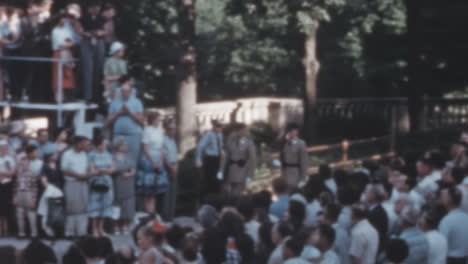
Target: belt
[240, 163]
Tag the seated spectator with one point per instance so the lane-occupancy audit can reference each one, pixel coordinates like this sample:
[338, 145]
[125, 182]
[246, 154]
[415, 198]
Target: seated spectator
[292, 250]
[91, 250]
[437, 242]
[279, 234]
[38, 253]
[148, 239]
[280, 206]
[329, 216]
[364, 237]
[207, 216]
[323, 238]
[452, 226]
[414, 238]
[396, 251]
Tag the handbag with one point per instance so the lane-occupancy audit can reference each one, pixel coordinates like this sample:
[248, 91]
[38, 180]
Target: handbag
[99, 185]
[56, 213]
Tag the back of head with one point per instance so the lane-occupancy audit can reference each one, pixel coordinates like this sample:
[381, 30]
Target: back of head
[396, 250]
[410, 215]
[37, 252]
[280, 186]
[89, 247]
[285, 229]
[333, 211]
[328, 233]
[295, 245]
[360, 211]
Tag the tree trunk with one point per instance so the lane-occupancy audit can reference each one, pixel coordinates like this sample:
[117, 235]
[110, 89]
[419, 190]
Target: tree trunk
[311, 68]
[186, 77]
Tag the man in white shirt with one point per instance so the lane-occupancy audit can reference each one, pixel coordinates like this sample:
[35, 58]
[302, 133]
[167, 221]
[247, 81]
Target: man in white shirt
[292, 250]
[437, 242]
[323, 238]
[428, 176]
[74, 165]
[453, 226]
[364, 237]
[341, 245]
[279, 234]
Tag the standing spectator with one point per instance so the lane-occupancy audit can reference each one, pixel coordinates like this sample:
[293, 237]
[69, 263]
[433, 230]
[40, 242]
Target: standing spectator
[124, 177]
[11, 41]
[73, 24]
[126, 119]
[92, 51]
[323, 238]
[241, 161]
[280, 206]
[74, 165]
[43, 144]
[294, 157]
[101, 196]
[62, 46]
[396, 251]
[152, 174]
[208, 158]
[292, 250]
[17, 136]
[330, 217]
[453, 227]
[51, 173]
[170, 150]
[62, 139]
[109, 13]
[374, 195]
[414, 238]
[26, 190]
[7, 171]
[364, 237]
[114, 68]
[436, 241]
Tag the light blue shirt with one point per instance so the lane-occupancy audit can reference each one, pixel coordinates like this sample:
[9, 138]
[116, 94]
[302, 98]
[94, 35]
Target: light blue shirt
[124, 124]
[46, 149]
[417, 245]
[211, 144]
[453, 227]
[342, 243]
[280, 207]
[170, 148]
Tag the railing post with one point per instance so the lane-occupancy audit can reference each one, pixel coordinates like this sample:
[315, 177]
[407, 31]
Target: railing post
[60, 94]
[345, 149]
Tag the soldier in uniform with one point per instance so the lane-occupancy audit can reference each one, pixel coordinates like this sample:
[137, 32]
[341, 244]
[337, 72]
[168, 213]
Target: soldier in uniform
[240, 161]
[208, 154]
[294, 158]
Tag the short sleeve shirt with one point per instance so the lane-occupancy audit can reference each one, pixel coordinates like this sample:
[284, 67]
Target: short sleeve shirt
[364, 242]
[76, 162]
[124, 124]
[170, 148]
[153, 137]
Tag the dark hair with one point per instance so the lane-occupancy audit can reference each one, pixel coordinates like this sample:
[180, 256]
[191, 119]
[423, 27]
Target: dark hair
[359, 210]
[152, 116]
[79, 139]
[264, 235]
[37, 252]
[458, 174]
[280, 185]
[396, 250]
[99, 140]
[231, 224]
[292, 126]
[124, 79]
[347, 195]
[328, 233]
[333, 211]
[295, 245]
[175, 236]
[454, 193]
[284, 228]
[313, 187]
[433, 215]
[89, 247]
[261, 199]
[106, 249]
[436, 159]
[297, 214]
[30, 149]
[246, 208]
[325, 171]
[73, 256]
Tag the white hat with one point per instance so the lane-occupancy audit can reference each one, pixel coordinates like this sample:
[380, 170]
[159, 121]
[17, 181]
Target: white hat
[116, 46]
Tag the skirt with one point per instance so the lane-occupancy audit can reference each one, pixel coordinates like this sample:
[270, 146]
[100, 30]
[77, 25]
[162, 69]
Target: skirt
[148, 181]
[100, 203]
[68, 77]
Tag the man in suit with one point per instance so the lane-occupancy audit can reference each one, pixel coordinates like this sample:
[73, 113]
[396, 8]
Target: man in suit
[294, 157]
[240, 161]
[377, 216]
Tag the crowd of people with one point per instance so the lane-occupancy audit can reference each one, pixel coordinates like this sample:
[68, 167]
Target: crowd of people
[82, 36]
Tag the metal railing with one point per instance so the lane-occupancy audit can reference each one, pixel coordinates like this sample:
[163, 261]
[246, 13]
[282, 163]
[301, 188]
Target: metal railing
[61, 62]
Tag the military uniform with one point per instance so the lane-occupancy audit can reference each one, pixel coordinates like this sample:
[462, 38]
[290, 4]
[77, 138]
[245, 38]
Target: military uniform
[240, 163]
[294, 161]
